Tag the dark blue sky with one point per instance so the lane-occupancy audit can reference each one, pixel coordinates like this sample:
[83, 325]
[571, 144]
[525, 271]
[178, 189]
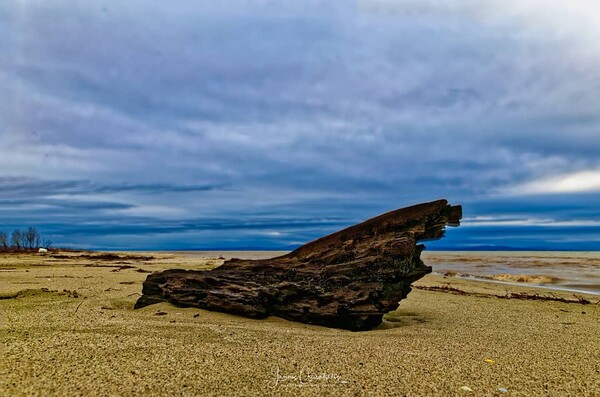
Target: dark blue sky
[263, 124]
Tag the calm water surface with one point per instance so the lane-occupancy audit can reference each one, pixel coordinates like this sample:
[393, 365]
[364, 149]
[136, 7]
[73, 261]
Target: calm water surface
[575, 270]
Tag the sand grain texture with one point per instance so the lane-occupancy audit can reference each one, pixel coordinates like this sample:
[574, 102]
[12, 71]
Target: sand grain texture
[54, 344]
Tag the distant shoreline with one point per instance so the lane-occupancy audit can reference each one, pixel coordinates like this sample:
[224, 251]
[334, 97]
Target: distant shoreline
[244, 249]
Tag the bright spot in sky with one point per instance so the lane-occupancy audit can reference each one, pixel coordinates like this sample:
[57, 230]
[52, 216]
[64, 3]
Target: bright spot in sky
[578, 182]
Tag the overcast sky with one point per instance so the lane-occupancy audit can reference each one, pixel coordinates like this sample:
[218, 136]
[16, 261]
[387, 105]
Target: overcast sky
[265, 124]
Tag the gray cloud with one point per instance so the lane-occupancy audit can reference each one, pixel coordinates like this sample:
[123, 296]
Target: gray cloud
[163, 114]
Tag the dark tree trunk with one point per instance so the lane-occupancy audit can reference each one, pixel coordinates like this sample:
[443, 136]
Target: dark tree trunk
[348, 279]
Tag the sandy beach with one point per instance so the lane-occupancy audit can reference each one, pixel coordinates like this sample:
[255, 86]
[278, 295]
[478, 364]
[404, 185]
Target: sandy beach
[68, 328]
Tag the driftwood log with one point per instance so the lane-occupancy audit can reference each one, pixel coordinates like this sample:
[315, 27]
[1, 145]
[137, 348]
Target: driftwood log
[348, 279]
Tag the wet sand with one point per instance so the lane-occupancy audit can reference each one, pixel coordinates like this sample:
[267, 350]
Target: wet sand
[437, 343]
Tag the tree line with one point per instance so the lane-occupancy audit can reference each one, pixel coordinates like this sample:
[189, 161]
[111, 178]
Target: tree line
[22, 240]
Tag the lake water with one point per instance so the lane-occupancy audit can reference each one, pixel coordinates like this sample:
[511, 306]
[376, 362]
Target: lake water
[572, 270]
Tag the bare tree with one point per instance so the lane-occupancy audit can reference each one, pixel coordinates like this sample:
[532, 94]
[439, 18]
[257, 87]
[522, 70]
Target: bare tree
[4, 240]
[24, 239]
[32, 238]
[17, 238]
[47, 243]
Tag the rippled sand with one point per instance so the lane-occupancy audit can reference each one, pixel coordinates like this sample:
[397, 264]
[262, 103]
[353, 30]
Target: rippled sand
[74, 332]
